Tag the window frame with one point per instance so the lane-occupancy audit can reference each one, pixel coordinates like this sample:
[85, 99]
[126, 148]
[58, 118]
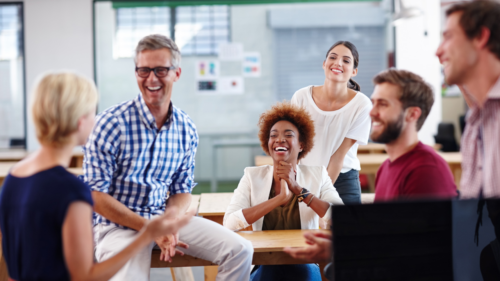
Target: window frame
[22, 50]
[173, 16]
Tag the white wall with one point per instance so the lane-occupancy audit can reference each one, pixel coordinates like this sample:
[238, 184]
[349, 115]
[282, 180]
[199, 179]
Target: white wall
[415, 52]
[58, 35]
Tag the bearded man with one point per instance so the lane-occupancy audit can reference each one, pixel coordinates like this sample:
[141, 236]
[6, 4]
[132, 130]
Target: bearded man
[401, 102]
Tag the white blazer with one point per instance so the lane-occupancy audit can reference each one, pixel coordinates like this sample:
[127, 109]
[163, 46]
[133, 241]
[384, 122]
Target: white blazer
[255, 186]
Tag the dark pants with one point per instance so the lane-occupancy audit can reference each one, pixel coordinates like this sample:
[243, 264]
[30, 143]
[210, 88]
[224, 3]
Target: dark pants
[287, 272]
[348, 187]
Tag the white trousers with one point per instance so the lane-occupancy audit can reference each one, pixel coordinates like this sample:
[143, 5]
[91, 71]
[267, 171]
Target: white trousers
[206, 239]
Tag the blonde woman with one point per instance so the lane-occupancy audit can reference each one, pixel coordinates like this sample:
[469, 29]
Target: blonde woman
[46, 212]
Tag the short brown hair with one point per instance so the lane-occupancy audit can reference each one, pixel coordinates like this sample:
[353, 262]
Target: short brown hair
[59, 101]
[479, 14]
[414, 90]
[293, 114]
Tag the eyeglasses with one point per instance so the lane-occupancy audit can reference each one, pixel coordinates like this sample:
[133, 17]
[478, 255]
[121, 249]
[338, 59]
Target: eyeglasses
[160, 72]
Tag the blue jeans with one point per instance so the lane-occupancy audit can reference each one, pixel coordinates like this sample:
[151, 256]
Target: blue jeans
[348, 187]
[286, 272]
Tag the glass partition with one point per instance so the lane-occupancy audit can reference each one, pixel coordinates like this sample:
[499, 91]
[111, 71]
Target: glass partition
[237, 61]
[12, 93]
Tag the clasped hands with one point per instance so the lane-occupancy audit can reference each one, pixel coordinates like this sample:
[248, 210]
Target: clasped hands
[168, 243]
[287, 174]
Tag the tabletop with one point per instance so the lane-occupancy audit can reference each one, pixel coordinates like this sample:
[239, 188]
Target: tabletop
[378, 159]
[371, 148]
[276, 240]
[214, 204]
[6, 166]
[19, 154]
[268, 248]
[13, 154]
[76, 171]
[195, 201]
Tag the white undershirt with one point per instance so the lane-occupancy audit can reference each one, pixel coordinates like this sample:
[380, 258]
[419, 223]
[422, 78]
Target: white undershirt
[332, 127]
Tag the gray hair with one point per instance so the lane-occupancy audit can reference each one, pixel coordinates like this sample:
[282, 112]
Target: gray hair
[158, 41]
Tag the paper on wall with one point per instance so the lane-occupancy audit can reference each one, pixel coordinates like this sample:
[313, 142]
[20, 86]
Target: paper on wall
[207, 69]
[231, 85]
[251, 64]
[230, 51]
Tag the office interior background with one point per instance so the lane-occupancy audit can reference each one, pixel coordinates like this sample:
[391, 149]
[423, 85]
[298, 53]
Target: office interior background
[257, 52]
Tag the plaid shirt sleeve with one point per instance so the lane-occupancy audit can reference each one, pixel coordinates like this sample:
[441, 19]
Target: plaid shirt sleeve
[100, 153]
[183, 179]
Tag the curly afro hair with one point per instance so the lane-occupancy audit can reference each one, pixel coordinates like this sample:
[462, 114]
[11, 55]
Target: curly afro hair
[293, 114]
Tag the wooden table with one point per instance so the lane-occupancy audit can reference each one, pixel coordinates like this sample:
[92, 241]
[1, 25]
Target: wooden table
[12, 155]
[213, 205]
[16, 155]
[268, 246]
[370, 163]
[4, 170]
[377, 148]
[268, 249]
[371, 148]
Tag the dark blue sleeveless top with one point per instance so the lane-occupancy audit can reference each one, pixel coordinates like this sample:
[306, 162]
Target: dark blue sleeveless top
[32, 213]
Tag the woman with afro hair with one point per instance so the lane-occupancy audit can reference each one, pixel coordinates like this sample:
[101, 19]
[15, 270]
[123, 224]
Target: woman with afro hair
[285, 195]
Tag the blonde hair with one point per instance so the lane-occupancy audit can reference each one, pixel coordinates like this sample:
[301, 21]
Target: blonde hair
[59, 101]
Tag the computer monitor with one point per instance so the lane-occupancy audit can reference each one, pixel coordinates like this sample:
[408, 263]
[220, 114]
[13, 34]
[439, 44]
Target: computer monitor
[419, 240]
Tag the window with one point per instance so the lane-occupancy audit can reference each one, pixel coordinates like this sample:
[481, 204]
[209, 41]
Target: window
[9, 37]
[12, 95]
[198, 29]
[134, 23]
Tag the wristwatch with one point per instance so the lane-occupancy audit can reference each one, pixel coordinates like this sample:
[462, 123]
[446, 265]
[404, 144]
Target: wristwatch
[303, 194]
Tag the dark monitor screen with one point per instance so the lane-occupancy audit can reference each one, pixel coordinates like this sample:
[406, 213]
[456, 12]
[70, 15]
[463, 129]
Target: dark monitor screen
[431, 240]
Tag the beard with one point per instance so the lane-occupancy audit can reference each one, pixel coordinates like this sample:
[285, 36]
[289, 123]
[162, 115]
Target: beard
[391, 132]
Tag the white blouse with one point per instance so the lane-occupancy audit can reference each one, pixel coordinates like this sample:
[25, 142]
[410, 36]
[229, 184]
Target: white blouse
[255, 186]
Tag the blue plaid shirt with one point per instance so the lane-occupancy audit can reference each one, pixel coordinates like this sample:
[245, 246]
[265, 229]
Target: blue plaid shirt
[129, 158]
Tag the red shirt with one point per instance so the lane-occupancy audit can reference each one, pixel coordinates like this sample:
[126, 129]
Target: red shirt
[420, 173]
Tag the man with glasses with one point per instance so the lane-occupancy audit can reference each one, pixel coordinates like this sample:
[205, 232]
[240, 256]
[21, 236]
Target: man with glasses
[139, 162]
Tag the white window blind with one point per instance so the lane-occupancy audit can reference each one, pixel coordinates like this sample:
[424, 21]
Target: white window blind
[9, 32]
[200, 29]
[132, 24]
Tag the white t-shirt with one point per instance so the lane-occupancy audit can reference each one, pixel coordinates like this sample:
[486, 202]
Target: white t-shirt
[332, 127]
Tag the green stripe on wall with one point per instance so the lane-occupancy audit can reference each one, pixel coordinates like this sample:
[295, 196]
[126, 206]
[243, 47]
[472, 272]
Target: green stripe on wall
[135, 3]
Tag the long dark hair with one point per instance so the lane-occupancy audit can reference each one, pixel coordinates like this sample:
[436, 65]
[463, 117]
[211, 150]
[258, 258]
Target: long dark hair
[352, 84]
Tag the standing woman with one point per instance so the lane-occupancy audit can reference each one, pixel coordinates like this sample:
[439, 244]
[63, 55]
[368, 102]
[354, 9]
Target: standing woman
[341, 119]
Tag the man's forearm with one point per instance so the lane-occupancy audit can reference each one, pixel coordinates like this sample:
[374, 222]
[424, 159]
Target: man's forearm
[181, 201]
[113, 210]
